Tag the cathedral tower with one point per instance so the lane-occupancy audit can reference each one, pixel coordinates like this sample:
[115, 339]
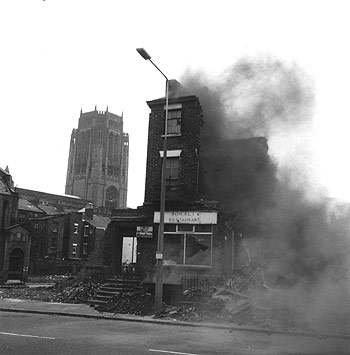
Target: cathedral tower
[98, 160]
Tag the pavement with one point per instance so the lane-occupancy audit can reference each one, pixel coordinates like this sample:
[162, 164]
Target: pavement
[86, 311]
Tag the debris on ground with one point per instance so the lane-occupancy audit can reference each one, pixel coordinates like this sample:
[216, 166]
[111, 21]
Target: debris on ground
[77, 293]
[65, 292]
[231, 302]
[141, 303]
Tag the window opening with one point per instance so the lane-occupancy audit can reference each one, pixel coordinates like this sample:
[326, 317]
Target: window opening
[55, 227]
[172, 171]
[174, 122]
[185, 246]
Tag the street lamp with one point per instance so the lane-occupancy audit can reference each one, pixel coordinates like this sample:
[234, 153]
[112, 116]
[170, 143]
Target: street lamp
[160, 243]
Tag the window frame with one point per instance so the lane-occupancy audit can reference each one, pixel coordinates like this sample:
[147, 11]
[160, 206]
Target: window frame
[184, 235]
[169, 169]
[85, 249]
[54, 242]
[174, 115]
[86, 230]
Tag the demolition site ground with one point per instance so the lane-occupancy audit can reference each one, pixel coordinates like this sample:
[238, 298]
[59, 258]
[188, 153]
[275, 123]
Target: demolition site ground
[232, 302]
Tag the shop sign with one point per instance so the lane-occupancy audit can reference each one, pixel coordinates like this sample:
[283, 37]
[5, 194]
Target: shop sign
[187, 217]
[144, 232]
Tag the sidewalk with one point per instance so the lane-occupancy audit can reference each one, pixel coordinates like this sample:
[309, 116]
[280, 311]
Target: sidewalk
[85, 311]
[63, 309]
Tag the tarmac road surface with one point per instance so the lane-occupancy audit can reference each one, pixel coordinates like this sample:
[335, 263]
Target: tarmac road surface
[42, 334]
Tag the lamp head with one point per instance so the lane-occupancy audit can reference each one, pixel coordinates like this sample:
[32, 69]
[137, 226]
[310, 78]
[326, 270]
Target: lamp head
[143, 53]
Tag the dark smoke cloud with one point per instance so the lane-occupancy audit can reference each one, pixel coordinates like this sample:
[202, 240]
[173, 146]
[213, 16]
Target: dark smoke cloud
[305, 240]
[254, 97]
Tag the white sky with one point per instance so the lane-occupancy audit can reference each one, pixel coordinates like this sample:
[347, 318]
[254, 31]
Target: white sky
[58, 56]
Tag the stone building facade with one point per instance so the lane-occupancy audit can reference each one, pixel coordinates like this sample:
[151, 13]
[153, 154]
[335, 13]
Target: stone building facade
[98, 160]
[14, 239]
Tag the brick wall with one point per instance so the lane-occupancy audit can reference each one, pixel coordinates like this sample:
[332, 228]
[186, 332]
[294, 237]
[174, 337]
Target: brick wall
[188, 142]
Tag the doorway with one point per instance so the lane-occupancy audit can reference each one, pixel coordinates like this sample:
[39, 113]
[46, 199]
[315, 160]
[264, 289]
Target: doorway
[129, 250]
[16, 264]
[129, 254]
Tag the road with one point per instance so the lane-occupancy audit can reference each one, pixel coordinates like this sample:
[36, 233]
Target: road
[26, 334]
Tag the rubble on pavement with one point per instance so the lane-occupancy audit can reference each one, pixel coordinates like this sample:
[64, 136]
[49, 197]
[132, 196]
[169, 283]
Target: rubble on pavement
[140, 303]
[64, 290]
[230, 302]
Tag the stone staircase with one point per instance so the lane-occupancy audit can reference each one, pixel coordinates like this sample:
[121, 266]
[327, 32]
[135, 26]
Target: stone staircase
[114, 286]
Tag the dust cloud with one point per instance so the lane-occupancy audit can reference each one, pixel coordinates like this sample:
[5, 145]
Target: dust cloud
[257, 161]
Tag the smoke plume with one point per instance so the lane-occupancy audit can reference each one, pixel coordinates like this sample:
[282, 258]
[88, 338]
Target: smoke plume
[257, 162]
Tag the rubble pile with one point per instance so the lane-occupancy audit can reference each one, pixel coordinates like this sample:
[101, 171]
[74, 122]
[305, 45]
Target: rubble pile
[77, 293]
[212, 310]
[68, 291]
[44, 294]
[141, 303]
[223, 303]
[229, 302]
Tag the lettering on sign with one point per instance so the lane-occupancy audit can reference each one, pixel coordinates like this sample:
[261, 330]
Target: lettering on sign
[187, 217]
[144, 232]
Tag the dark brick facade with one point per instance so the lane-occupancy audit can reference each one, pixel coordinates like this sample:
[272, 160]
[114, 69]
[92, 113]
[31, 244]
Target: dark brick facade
[66, 243]
[182, 194]
[188, 141]
[8, 217]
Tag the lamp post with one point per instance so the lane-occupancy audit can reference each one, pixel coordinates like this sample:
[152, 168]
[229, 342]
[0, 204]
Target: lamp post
[160, 242]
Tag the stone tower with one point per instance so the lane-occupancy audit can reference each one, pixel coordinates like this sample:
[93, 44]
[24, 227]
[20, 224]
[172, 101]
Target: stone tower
[98, 160]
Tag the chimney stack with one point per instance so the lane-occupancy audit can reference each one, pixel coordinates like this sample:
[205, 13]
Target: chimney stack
[89, 211]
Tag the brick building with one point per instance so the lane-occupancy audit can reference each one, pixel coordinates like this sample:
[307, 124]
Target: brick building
[98, 160]
[66, 242]
[197, 242]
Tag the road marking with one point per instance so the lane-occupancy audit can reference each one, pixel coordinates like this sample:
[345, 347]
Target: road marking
[26, 335]
[170, 352]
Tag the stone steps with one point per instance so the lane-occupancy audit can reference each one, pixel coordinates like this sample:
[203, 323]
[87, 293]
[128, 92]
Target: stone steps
[115, 286]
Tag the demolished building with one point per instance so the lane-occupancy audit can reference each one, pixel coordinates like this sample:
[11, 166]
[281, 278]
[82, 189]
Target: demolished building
[201, 239]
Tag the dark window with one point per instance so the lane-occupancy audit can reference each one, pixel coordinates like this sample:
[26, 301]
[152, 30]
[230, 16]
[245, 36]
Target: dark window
[185, 228]
[172, 168]
[203, 228]
[53, 242]
[21, 217]
[85, 249]
[86, 231]
[55, 227]
[174, 122]
[74, 249]
[182, 248]
[169, 227]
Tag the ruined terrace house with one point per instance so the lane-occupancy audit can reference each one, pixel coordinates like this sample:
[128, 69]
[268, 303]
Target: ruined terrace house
[197, 243]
